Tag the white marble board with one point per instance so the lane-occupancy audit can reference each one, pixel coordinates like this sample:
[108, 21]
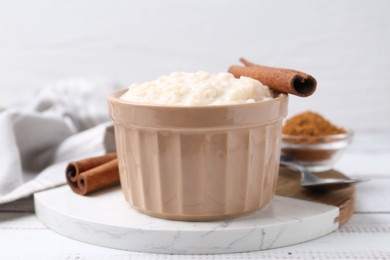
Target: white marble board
[105, 219]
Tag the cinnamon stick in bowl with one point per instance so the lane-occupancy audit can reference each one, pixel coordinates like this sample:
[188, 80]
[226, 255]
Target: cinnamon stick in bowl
[281, 80]
[91, 174]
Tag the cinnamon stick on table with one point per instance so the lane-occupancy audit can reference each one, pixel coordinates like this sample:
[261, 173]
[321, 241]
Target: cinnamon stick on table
[91, 174]
[281, 80]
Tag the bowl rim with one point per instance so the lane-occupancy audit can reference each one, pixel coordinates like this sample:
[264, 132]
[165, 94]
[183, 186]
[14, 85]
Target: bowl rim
[114, 97]
[199, 117]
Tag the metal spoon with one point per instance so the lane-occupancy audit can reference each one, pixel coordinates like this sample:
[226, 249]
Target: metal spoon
[309, 180]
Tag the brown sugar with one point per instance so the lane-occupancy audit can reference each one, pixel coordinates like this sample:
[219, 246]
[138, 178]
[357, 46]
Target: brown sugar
[309, 128]
[310, 124]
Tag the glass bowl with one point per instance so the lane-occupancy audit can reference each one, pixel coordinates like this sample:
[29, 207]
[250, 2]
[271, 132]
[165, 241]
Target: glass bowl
[317, 153]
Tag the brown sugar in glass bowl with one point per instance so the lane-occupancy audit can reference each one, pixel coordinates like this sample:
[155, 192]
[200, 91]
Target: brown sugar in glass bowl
[198, 163]
[313, 141]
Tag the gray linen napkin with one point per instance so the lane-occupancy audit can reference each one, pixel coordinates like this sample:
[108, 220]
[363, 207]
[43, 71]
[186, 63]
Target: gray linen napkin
[64, 122]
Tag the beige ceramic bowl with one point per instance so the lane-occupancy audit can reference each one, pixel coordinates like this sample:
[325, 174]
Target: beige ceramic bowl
[198, 163]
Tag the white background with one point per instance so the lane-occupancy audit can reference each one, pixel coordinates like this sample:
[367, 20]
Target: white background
[344, 44]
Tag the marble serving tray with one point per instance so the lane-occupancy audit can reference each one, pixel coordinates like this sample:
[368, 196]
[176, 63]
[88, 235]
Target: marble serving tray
[106, 219]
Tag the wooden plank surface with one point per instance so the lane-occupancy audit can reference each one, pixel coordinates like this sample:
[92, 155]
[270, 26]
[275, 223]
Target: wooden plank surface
[365, 236]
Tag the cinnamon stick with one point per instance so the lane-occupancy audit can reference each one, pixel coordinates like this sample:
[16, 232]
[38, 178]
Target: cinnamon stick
[281, 80]
[88, 175]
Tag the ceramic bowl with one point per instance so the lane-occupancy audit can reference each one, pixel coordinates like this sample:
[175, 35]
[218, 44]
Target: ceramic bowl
[198, 163]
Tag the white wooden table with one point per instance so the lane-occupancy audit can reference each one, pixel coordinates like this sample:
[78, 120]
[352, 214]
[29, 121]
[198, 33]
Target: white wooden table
[365, 236]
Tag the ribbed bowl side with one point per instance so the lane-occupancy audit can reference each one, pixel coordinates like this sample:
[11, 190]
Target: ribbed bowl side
[198, 175]
[252, 168]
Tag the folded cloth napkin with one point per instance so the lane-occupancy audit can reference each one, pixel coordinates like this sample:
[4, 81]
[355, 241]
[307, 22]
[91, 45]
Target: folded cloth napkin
[64, 122]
